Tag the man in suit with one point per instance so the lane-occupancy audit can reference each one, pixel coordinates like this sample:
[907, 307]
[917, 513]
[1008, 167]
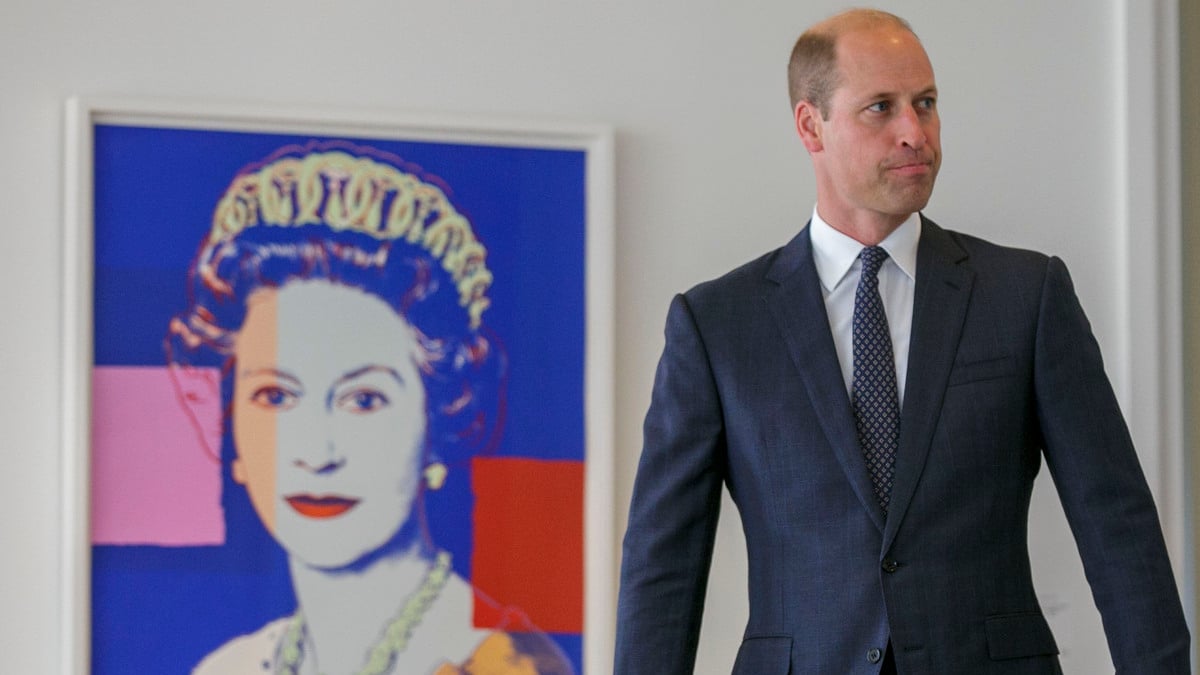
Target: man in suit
[877, 396]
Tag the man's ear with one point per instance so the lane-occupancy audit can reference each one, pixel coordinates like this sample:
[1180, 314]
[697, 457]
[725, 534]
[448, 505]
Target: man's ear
[808, 126]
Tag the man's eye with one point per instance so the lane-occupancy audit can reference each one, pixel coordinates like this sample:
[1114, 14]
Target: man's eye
[879, 107]
[362, 401]
[928, 103]
[274, 398]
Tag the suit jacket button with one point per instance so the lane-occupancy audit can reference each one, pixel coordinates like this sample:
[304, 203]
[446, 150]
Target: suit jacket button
[890, 565]
[874, 655]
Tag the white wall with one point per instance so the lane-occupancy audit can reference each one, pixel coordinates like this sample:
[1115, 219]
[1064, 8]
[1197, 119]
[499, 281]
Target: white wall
[708, 175]
[1189, 22]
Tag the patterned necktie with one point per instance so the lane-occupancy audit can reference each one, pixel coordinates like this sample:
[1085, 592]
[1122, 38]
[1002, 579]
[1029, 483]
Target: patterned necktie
[873, 393]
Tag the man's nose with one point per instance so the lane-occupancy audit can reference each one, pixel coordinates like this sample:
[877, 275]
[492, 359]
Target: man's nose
[910, 130]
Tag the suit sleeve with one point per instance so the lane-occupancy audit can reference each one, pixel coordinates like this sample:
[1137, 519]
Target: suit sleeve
[1104, 493]
[673, 516]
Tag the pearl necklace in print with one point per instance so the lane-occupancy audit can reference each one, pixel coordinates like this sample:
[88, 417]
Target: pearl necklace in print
[395, 637]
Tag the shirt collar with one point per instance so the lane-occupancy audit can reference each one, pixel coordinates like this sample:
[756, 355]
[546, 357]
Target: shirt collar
[834, 253]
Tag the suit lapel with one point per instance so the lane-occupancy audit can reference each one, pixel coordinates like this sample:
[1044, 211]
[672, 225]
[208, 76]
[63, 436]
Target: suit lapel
[798, 306]
[939, 309]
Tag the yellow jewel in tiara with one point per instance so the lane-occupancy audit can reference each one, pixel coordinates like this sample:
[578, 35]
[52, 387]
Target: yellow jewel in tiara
[349, 192]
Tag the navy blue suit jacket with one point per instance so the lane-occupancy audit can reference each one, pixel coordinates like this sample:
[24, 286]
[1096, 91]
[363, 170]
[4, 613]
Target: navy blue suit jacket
[1003, 371]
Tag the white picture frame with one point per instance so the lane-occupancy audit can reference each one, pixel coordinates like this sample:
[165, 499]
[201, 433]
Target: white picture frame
[593, 142]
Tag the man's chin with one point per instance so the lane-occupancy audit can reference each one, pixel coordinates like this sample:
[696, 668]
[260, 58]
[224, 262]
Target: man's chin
[910, 201]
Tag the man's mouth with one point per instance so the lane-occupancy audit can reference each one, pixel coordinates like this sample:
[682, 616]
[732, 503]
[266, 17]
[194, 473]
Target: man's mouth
[327, 506]
[911, 169]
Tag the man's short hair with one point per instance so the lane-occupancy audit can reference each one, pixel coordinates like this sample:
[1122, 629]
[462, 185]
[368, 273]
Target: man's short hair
[813, 70]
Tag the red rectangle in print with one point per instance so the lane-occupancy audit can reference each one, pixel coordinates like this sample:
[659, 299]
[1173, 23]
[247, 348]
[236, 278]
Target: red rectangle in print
[528, 544]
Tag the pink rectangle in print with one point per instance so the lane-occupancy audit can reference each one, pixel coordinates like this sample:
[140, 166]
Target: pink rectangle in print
[156, 473]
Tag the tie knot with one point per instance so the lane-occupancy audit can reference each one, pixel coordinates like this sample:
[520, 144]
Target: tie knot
[872, 259]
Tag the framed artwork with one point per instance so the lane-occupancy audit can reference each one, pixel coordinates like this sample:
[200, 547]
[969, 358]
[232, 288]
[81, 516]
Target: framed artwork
[337, 392]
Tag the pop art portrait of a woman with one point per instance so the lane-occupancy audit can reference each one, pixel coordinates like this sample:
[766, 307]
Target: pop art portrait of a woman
[337, 405]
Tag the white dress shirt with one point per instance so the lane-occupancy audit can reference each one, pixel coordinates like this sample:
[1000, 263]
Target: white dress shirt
[838, 266]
